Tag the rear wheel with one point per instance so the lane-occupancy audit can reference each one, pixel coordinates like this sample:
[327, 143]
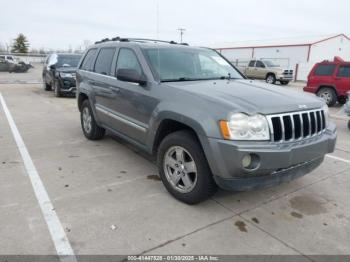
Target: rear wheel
[328, 95]
[184, 169]
[342, 100]
[270, 79]
[91, 130]
[284, 83]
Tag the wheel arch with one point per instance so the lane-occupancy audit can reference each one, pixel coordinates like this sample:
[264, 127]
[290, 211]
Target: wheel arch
[170, 125]
[327, 86]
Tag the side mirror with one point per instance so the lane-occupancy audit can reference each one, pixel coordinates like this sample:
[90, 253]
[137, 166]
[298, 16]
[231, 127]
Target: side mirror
[131, 75]
[53, 67]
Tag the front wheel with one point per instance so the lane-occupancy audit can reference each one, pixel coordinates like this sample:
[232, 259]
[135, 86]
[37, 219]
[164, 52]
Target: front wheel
[91, 130]
[57, 89]
[46, 86]
[328, 95]
[270, 79]
[284, 83]
[184, 169]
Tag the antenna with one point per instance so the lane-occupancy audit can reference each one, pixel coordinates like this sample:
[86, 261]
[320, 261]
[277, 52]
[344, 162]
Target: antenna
[181, 30]
[157, 19]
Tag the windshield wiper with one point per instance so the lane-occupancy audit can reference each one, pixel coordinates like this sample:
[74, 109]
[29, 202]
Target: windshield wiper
[181, 79]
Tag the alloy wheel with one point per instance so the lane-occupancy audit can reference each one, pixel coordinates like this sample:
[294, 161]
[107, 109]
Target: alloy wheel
[180, 169]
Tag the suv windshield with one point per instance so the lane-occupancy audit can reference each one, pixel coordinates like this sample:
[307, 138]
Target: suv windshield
[69, 61]
[188, 64]
[270, 63]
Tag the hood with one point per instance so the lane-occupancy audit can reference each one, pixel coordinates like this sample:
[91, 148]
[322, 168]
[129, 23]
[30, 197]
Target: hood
[66, 69]
[250, 96]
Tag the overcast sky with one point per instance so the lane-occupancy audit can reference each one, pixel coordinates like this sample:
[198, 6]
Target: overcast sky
[60, 24]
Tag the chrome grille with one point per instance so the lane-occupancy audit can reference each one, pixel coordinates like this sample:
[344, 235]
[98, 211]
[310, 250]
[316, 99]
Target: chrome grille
[288, 72]
[296, 125]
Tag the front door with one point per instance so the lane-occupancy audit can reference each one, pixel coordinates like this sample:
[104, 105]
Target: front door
[133, 104]
[342, 79]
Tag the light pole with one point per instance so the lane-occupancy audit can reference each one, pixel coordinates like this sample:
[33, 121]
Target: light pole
[181, 30]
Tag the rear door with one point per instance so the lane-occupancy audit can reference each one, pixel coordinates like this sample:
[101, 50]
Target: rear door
[342, 79]
[102, 82]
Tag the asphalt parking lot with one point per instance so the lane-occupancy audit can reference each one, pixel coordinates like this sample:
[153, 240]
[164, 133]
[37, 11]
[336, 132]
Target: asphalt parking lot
[109, 199]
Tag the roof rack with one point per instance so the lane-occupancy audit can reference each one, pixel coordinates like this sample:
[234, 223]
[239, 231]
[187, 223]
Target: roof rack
[141, 40]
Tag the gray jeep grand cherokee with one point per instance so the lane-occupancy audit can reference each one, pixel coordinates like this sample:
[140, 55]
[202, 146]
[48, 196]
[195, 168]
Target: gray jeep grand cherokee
[207, 124]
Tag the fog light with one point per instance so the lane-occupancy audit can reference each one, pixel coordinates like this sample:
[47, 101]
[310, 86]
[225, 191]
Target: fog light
[246, 161]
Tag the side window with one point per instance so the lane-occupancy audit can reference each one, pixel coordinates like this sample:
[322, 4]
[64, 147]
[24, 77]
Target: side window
[260, 64]
[127, 60]
[344, 71]
[88, 62]
[104, 61]
[252, 63]
[324, 70]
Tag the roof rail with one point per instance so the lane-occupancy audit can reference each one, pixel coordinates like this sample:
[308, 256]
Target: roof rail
[138, 40]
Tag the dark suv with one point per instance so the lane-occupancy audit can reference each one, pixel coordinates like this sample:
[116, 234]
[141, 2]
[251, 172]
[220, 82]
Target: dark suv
[330, 80]
[59, 73]
[207, 124]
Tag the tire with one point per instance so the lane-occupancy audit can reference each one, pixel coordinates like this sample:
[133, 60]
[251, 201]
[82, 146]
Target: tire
[328, 95]
[57, 89]
[284, 83]
[46, 86]
[342, 100]
[202, 184]
[88, 124]
[270, 79]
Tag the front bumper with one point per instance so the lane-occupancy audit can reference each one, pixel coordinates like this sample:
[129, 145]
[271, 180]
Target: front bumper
[278, 162]
[68, 85]
[285, 77]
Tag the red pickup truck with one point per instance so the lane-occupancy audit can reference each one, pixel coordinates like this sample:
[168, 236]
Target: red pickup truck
[330, 80]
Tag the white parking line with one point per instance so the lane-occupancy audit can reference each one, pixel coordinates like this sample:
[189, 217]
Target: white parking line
[339, 158]
[58, 236]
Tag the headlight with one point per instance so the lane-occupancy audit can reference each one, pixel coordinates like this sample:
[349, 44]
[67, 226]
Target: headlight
[326, 114]
[243, 127]
[68, 75]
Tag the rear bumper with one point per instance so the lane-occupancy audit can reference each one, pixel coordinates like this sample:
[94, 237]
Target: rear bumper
[277, 162]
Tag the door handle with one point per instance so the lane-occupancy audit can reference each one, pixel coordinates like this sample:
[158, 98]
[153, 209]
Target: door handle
[115, 89]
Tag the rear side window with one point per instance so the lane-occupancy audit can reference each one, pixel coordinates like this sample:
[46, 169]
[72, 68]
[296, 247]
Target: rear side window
[88, 62]
[324, 70]
[128, 60]
[344, 71]
[104, 61]
[251, 63]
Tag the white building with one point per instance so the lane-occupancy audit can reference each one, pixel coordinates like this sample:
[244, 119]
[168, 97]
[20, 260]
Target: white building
[299, 54]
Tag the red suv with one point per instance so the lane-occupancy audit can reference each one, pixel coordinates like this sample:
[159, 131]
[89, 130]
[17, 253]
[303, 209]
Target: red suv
[330, 80]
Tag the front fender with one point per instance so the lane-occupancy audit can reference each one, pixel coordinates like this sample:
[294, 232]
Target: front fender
[203, 124]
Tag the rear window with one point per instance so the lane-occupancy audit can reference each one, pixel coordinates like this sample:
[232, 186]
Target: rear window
[344, 71]
[324, 70]
[88, 62]
[104, 61]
